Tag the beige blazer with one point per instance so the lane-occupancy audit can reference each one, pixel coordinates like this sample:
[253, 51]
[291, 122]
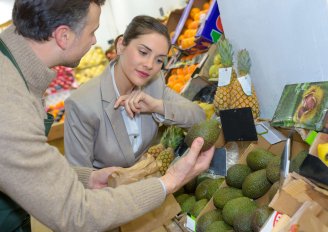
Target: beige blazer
[95, 134]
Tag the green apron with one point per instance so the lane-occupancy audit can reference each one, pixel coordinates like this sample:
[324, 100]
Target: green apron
[13, 218]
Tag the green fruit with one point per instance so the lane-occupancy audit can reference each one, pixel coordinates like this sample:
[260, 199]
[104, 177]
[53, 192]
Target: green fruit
[242, 223]
[213, 187]
[202, 188]
[236, 207]
[219, 226]
[256, 184]
[273, 169]
[179, 192]
[258, 158]
[209, 130]
[188, 204]
[181, 198]
[260, 216]
[297, 161]
[273, 190]
[223, 195]
[236, 175]
[207, 219]
[198, 207]
[214, 71]
[190, 187]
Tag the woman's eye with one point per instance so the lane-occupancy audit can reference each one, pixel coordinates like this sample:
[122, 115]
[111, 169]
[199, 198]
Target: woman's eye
[160, 61]
[142, 52]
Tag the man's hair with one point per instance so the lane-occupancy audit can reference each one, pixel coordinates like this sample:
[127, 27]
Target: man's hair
[37, 19]
[141, 25]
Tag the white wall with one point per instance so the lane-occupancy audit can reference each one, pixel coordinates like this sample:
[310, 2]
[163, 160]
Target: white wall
[124, 10]
[287, 41]
[5, 10]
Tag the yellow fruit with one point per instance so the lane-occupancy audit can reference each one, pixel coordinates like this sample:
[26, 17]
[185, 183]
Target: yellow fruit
[156, 150]
[164, 160]
[323, 152]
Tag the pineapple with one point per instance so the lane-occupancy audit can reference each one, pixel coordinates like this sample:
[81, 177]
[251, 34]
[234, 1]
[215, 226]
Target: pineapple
[222, 97]
[238, 97]
[155, 150]
[170, 140]
[164, 159]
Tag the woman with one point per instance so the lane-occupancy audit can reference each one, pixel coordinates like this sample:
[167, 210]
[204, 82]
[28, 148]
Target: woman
[112, 119]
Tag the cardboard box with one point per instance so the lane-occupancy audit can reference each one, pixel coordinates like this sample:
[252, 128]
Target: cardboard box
[211, 29]
[295, 191]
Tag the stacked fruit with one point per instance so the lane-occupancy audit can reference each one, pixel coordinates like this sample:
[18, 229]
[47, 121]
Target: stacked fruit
[213, 72]
[235, 203]
[230, 93]
[63, 81]
[187, 38]
[91, 65]
[194, 196]
[180, 76]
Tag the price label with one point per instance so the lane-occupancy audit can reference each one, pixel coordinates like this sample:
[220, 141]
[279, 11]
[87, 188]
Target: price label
[190, 223]
[246, 84]
[224, 76]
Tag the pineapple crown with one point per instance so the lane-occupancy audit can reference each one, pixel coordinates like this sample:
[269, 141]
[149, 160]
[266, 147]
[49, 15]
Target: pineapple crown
[226, 53]
[172, 137]
[244, 62]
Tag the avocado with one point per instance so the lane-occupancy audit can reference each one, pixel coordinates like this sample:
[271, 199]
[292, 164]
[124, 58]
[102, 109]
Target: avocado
[181, 198]
[273, 169]
[256, 184]
[199, 205]
[260, 216]
[219, 226]
[207, 219]
[223, 195]
[258, 158]
[190, 187]
[202, 189]
[236, 175]
[209, 130]
[297, 161]
[213, 186]
[242, 223]
[236, 207]
[179, 192]
[273, 190]
[188, 204]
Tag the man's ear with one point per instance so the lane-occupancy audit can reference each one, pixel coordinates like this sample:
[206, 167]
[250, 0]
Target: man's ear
[119, 46]
[63, 36]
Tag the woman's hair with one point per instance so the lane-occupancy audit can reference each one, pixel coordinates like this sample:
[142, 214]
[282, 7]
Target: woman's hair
[37, 19]
[141, 25]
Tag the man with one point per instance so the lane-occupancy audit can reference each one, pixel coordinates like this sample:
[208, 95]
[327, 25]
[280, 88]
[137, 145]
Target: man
[35, 178]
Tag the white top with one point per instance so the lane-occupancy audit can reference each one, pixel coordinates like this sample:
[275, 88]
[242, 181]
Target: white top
[133, 125]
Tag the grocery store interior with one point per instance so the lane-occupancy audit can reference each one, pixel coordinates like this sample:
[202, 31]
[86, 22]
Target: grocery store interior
[269, 59]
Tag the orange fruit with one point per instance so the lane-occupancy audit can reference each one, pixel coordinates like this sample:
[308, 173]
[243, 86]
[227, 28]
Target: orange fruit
[178, 87]
[193, 25]
[188, 22]
[193, 12]
[206, 6]
[172, 79]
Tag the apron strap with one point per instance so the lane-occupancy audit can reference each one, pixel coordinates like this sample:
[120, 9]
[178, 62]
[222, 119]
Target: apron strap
[5, 50]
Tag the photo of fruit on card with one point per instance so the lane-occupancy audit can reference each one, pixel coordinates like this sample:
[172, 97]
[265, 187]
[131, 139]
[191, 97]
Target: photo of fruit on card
[302, 105]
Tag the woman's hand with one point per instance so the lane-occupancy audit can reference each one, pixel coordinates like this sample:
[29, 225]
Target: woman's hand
[138, 101]
[99, 178]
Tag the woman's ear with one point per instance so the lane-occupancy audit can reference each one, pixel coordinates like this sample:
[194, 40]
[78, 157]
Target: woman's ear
[63, 36]
[119, 46]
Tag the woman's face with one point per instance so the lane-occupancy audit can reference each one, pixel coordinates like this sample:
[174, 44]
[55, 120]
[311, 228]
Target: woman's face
[142, 58]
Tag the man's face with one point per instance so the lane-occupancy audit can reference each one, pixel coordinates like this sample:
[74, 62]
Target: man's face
[84, 39]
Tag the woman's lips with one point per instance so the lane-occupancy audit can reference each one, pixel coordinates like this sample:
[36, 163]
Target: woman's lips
[142, 74]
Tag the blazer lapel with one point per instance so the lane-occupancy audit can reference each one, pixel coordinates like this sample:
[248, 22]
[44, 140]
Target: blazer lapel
[115, 118]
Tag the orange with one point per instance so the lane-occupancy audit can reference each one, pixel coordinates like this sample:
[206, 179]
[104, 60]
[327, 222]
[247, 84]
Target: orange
[172, 79]
[178, 87]
[180, 39]
[193, 12]
[180, 71]
[188, 22]
[206, 6]
[193, 25]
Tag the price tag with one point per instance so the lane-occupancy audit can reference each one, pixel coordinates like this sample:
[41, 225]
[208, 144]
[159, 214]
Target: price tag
[224, 76]
[191, 223]
[246, 84]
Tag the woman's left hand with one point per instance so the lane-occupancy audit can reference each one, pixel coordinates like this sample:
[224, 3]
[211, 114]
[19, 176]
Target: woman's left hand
[138, 101]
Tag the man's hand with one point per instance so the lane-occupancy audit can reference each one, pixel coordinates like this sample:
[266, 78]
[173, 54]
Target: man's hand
[188, 166]
[99, 178]
[138, 101]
